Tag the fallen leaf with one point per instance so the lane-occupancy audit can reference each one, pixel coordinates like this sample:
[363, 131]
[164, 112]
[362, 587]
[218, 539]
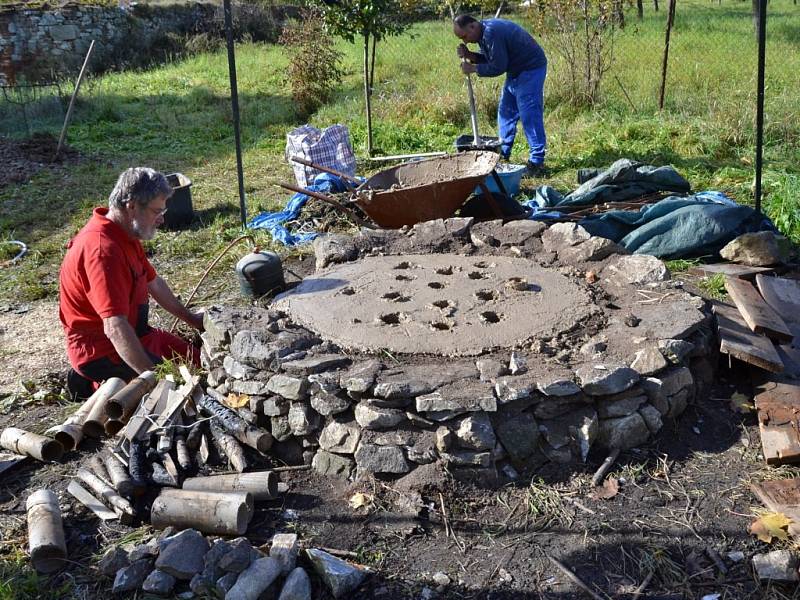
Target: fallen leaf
[237, 400]
[360, 499]
[770, 525]
[741, 404]
[608, 490]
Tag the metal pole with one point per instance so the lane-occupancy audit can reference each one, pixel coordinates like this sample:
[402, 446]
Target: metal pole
[235, 107]
[762, 42]
[72, 100]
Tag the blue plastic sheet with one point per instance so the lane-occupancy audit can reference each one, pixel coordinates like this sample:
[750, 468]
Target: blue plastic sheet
[273, 222]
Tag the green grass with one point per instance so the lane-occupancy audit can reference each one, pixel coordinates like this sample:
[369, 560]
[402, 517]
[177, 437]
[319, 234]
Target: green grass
[177, 118]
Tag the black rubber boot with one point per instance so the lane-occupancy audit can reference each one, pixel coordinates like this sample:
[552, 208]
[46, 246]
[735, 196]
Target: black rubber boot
[78, 386]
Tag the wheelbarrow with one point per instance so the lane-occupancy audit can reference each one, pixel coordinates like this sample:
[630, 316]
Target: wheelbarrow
[414, 192]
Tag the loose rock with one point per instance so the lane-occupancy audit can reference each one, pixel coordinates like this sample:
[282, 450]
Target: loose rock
[183, 556]
[284, 549]
[778, 565]
[340, 577]
[255, 579]
[159, 583]
[132, 577]
[604, 380]
[760, 249]
[297, 586]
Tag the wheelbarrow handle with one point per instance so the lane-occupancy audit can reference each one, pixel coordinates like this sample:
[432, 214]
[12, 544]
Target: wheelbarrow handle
[332, 201]
[344, 176]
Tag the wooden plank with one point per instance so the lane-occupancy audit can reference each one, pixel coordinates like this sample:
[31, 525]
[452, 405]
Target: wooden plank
[757, 313]
[790, 357]
[781, 496]
[778, 408]
[738, 341]
[731, 270]
[138, 423]
[783, 296]
[89, 501]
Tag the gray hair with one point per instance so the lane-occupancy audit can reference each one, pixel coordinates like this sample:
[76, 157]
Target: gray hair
[139, 185]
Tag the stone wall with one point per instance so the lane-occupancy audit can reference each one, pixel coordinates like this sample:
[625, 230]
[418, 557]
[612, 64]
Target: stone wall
[37, 42]
[611, 382]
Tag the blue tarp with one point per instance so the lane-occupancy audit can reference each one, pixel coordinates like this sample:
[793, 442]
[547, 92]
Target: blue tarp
[324, 183]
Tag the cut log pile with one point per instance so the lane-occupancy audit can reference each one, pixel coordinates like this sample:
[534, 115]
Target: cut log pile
[763, 329]
[160, 435]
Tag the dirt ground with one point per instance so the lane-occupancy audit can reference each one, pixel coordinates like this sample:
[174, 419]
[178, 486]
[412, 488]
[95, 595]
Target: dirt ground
[681, 501]
[22, 159]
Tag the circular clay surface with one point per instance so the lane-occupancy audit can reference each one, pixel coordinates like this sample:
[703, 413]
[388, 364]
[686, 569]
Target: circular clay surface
[441, 304]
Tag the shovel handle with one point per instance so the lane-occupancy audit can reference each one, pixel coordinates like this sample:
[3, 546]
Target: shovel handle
[328, 199]
[339, 174]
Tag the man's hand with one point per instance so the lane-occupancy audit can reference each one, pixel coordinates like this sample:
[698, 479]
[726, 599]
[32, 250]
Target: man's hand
[197, 321]
[122, 336]
[468, 68]
[463, 51]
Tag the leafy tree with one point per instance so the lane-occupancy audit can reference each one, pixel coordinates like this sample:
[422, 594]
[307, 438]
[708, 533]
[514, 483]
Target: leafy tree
[371, 21]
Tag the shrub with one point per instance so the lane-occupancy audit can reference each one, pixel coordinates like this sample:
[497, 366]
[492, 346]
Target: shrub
[313, 62]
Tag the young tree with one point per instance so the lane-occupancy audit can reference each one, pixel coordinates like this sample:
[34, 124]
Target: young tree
[372, 21]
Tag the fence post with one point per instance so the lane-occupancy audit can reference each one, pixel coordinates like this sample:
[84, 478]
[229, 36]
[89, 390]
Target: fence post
[762, 42]
[367, 94]
[670, 19]
[226, 7]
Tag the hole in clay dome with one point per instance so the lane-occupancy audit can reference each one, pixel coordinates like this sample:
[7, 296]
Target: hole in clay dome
[517, 283]
[441, 303]
[348, 291]
[440, 326]
[391, 318]
[403, 265]
[444, 271]
[404, 278]
[480, 265]
[476, 275]
[486, 295]
[436, 285]
[391, 296]
[490, 317]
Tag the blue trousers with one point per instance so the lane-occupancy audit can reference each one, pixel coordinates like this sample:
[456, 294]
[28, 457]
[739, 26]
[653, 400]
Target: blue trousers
[522, 98]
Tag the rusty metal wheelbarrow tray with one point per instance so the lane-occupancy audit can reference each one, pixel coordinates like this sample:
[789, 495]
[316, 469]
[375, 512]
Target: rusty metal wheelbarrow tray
[423, 190]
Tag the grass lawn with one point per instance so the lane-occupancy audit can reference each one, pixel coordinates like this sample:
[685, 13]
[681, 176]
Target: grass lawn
[176, 117]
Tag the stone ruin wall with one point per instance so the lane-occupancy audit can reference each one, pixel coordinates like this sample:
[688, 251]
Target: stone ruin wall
[33, 39]
[611, 383]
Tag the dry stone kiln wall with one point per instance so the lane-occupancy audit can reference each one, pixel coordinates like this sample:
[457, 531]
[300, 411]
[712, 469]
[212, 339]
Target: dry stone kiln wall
[612, 381]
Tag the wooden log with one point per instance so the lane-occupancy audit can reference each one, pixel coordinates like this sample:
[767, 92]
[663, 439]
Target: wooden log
[119, 475]
[204, 450]
[209, 513]
[263, 485]
[758, 315]
[94, 423]
[46, 543]
[195, 434]
[245, 497]
[778, 409]
[182, 452]
[228, 446]
[137, 466]
[70, 433]
[255, 437]
[106, 493]
[122, 404]
[97, 466]
[738, 341]
[142, 421]
[113, 427]
[31, 444]
[82, 495]
[161, 477]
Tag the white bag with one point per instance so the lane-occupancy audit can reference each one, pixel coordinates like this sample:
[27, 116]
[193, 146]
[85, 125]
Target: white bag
[327, 148]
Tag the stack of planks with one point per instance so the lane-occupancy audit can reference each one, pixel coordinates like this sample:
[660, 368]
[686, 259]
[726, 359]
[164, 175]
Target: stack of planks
[763, 329]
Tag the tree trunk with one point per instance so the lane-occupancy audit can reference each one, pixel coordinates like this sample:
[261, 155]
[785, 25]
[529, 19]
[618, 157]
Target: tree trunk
[372, 66]
[640, 9]
[655, 5]
[367, 94]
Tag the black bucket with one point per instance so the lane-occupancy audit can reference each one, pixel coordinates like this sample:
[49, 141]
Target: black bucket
[179, 206]
[260, 274]
[467, 142]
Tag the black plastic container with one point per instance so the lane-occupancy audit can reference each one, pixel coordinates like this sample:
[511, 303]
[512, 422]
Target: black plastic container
[467, 142]
[179, 206]
[260, 274]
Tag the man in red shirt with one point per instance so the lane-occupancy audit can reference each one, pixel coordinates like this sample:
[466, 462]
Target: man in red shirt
[105, 285]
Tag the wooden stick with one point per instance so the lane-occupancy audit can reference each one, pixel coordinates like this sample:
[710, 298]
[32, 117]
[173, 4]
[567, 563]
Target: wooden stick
[228, 446]
[122, 404]
[182, 452]
[119, 475]
[85, 497]
[643, 586]
[574, 579]
[229, 419]
[106, 492]
[600, 474]
[72, 99]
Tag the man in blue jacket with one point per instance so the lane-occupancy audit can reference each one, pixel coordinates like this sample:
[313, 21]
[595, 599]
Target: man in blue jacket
[508, 48]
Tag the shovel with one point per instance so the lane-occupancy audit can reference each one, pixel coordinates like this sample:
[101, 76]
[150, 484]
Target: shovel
[473, 113]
